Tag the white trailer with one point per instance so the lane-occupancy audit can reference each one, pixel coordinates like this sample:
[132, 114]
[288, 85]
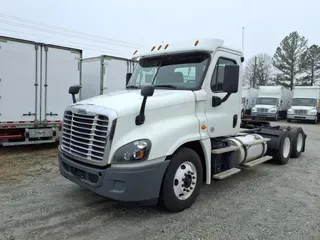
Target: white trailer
[305, 104]
[272, 102]
[34, 82]
[104, 74]
[249, 97]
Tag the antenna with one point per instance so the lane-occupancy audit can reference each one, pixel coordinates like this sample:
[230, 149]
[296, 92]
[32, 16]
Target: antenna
[242, 40]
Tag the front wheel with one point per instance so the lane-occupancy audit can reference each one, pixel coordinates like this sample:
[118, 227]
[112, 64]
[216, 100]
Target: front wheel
[182, 181]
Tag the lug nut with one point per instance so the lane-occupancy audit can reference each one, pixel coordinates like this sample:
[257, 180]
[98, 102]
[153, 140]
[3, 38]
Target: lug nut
[188, 191]
[193, 183]
[182, 185]
[193, 177]
[191, 188]
[185, 174]
[185, 189]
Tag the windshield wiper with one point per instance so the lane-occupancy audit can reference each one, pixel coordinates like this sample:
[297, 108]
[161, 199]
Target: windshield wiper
[132, 86]
[165, 86]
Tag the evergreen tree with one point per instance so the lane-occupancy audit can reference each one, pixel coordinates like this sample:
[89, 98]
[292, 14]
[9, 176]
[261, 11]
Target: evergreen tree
[288, 58]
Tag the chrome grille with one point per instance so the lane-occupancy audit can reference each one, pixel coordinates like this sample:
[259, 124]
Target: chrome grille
[299, 111]
[84, 135]
[263, 110]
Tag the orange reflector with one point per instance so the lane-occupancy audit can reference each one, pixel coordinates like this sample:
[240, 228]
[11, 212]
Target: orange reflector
[166, 46]
[159, 47]
[196, 43]
[203, 127]
[135, 52]
[153, 48]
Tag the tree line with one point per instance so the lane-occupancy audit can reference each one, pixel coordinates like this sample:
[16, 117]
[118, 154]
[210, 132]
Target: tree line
[293, 63]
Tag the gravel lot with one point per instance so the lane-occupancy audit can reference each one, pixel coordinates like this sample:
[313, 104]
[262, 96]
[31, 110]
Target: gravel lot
[267, 202]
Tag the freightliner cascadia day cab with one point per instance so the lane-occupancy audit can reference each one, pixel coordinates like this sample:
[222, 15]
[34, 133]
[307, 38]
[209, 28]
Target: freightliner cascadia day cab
[305, 105]
[104, 74]
[165, 135]
[32, 78]
[249, 97]
[272, 102]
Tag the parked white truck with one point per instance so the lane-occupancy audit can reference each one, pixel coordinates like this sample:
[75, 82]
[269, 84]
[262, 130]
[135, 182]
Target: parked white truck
[249, 97]
[162, 139]
[305, 104]
[104, 74]
[272, 102]
[33, 77]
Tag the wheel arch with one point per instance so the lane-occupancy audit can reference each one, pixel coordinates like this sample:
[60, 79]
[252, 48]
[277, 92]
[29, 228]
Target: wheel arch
[199, 148]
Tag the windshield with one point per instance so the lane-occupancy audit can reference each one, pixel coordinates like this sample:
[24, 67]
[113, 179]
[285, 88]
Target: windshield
[310, 102]
[267, 101]
[179, 71]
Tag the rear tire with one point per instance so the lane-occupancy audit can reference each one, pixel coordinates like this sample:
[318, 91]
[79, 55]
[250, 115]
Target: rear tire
[282, 156]
[182, 181]
[298, 141]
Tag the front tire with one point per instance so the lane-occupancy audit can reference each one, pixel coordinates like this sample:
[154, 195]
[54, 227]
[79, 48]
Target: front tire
[182, 181]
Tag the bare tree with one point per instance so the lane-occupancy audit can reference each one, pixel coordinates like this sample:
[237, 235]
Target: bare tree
[258, 71]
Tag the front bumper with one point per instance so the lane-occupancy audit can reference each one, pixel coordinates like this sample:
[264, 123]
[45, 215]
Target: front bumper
[301, 117]
[264, 115]
[123, 184]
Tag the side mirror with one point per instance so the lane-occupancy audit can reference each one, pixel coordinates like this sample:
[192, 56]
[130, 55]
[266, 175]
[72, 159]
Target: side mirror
[73, 90]
[147, 91]
[128, 76]
[231, 78]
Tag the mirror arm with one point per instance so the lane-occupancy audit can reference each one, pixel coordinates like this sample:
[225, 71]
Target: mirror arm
[225, 98]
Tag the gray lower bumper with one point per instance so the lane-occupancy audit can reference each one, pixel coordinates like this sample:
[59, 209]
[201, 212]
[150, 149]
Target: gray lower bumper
[123, 184]
[264, 115]
[301, 117]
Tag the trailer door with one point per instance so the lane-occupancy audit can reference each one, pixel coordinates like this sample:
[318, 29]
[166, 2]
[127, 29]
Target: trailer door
[115, 71]
[18, 80]
[62, 68]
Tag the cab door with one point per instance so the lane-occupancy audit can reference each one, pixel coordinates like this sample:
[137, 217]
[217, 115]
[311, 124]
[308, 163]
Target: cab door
[224, 119]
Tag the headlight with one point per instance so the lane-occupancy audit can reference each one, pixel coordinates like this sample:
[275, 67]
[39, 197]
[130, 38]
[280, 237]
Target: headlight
[132, 152]
[290, 111]
[313, 112]
[273, 110]
[253, 110]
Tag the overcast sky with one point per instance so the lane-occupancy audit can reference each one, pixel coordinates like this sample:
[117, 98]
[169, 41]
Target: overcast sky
[266, 23]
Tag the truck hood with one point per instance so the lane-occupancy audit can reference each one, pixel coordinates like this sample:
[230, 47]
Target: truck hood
[265, 106]
[128, 102]
[302, 108]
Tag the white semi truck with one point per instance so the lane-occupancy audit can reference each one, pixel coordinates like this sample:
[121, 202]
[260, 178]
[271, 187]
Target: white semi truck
[305, 104]
[32, 79]
[103, 75]
[272, 102]
[162, 139]
[249, 97]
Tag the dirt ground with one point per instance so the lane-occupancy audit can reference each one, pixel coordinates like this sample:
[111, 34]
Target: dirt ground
[266, 202]
[24, 163]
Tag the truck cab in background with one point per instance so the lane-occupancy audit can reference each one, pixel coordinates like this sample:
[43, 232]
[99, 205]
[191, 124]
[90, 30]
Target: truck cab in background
[272, 102]
[168, 133]
[305, 104]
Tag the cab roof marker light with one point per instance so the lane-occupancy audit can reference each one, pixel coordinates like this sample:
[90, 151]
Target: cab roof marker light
[167, 45]
[159, 47]
[153, 48]
[135, 52]
[196, 42]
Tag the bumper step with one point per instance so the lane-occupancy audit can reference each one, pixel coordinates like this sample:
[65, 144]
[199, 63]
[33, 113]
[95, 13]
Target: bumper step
[226, 174]
[225, 149]
[257, 161]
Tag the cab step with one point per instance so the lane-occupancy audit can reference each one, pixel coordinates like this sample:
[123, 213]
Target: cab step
[257, 161]
[225, 149]
[256, 142]
[226, 174]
